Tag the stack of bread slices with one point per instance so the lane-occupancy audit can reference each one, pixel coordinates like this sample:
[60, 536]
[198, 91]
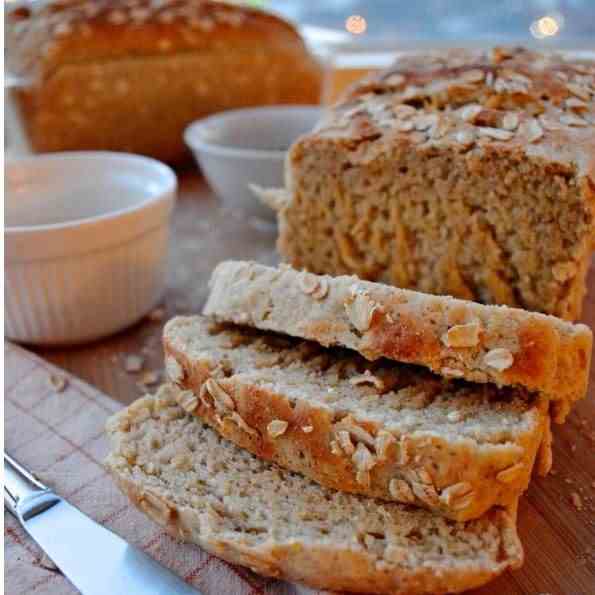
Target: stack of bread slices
[347, 434]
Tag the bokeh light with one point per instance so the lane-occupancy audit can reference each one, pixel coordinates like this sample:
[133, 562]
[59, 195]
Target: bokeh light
[356, 24]
[547, 26]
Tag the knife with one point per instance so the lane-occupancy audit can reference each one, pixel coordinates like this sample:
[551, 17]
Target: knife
[95, 560]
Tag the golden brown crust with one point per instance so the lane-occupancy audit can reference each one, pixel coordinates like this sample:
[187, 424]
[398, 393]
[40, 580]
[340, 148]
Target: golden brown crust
[466, 478]
[547, 354]
[81, 32]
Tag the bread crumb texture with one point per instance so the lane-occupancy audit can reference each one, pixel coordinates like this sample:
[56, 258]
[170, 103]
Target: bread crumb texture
[356, 425]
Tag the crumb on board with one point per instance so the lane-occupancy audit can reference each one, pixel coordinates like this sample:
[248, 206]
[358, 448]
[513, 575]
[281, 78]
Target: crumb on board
[59, 383]
[149, 378]
[156, 315]
[133, 363]
[576, 500]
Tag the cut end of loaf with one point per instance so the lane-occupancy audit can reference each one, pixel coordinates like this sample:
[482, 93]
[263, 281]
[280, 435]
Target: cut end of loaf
[465, 173]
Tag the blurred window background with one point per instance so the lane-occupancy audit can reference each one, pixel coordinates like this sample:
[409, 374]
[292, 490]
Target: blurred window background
[563, 23]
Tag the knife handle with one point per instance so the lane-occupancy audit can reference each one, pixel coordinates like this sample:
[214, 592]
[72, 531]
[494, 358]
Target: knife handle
[24, 494]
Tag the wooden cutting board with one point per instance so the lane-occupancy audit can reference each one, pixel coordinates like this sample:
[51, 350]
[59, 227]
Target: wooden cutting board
[556, 516]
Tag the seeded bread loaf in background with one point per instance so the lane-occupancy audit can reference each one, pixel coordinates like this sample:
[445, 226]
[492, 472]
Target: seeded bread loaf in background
[465, 173]
[452, 337]
[111, 74]
[386, 430]
[205, 490]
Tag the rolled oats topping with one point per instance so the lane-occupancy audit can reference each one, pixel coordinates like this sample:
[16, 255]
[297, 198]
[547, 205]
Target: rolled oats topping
[400, 490]
[277, 428]
[322, 290]
[187, 400]
[344, 440]
[511, 473]
[360, 310]
[573, 120]
[473, 76]
[448, 372]
[425, 121]
[308, 282]
[426, 493]
[465, 137]
[363, 459]
[510, 121]
[358, 433]
[241, 423]
[384, 440]
[470, 112]
[579, 91]
[577, 105]
[495, 133]
[174, 370]
[462, 335]
[404, 111]
[531, 130]
[458, 496]
[222, 400]
[500, 359]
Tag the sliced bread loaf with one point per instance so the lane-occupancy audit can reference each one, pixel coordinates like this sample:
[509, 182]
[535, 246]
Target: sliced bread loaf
[382, 429]
[205, 490]
[452, 337]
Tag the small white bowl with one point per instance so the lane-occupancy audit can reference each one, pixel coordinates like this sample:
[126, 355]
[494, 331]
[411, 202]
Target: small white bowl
[86, 237]
[248, 146]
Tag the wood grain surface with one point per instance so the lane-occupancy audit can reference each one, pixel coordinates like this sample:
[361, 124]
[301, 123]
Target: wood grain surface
[559, 538]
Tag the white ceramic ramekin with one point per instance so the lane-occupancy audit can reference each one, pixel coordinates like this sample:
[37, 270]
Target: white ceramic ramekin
[86, 237]
[241, 147]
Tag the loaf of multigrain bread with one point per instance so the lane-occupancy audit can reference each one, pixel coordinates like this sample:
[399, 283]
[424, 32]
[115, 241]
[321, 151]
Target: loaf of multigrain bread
[205, 490]
[465, 173]
[383, 429]
[452, 337]
[120, 75]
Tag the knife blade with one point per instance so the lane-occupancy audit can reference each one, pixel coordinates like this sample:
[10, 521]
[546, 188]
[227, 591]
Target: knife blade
[95, 560]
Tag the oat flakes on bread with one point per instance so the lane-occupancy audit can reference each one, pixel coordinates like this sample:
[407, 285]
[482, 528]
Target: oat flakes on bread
[205, 490]
[383, 429]
[452, 337]
[465, 172]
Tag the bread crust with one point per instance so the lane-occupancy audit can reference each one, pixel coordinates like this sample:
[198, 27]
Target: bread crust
[549, 355]
[460, 478]
[76, 33]
[312, 563]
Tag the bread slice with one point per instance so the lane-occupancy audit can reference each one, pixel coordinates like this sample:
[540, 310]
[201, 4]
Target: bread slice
[452, 337]
[387, 430]
[205, 490]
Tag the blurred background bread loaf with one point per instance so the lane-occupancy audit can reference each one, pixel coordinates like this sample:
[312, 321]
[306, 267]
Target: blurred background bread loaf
[130, 75]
